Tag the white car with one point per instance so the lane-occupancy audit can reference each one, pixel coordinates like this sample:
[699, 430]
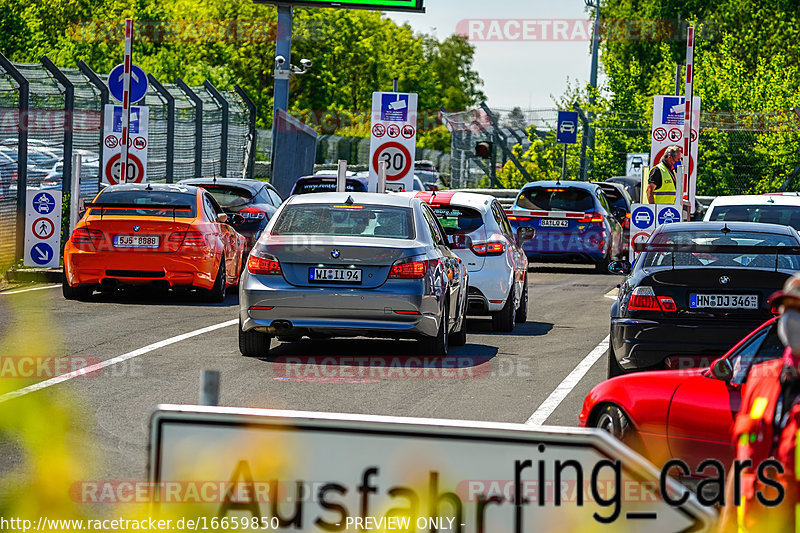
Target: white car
[568, 127]
[783, 209]
[481, 236]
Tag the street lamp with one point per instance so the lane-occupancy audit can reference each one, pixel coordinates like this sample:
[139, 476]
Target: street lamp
[589, 137]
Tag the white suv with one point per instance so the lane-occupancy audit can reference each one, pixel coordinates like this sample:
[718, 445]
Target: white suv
[482, 238]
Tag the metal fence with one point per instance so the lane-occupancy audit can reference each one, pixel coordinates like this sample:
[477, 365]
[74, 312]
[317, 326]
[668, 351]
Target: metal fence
[355, 150]
[48, 115]
[739, 153]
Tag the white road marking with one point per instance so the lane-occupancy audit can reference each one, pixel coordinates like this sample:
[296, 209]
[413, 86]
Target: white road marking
[113, 361]
[612, 294]
[557, 396]
[17, 291]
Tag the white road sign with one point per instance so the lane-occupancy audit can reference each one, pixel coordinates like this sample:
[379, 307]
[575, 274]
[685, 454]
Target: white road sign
[42, 228]
[634, 165]
[643, 222]
[137, 144]
[667, 129]
[393, 139]
[333, 472]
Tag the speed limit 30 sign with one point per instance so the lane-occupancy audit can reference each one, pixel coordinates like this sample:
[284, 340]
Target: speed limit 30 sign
[394, 138]
[397, 158]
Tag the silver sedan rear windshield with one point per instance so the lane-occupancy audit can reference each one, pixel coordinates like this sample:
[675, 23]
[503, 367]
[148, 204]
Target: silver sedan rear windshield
[348, 220]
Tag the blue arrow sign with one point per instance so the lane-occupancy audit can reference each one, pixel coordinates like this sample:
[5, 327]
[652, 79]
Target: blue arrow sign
[668, 214]
[567, 130]
[642, 217]
[44, 203]
[41, 253]
[138, 83]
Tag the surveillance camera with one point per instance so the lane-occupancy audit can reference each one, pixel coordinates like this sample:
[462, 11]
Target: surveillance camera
[306, 63]
[280, 60]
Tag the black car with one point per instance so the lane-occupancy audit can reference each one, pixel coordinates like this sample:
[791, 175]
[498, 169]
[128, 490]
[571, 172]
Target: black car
[255, 200]
[327, 183]
[620, 202]
[694, 290]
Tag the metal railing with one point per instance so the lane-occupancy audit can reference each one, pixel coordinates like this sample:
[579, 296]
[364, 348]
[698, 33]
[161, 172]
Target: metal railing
[49, 114]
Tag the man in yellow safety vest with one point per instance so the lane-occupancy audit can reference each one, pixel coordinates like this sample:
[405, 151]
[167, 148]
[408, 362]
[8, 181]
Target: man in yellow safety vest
[661, 183]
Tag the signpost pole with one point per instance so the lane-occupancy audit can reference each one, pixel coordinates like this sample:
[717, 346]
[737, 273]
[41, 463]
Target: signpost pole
[687, 120]
[381, 187]
[75, 193]
[564, 163]
[283, 47]
[126, 102]
[341, 176]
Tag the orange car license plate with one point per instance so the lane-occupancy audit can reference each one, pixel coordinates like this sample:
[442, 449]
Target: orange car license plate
[136, 241]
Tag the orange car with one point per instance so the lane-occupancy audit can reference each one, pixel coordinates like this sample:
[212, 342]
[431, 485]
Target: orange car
[166, 235]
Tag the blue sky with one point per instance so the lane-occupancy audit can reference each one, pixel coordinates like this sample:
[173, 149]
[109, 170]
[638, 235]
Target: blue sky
[515, 73]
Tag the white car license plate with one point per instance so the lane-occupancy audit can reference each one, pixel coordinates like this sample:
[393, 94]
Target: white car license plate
[136, 241]
[336, 275]
[553, 223]
[723, 301]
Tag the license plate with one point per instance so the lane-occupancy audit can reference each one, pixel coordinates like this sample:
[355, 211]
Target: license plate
[136, 241]
[723, 301]
[336, 275]
[553, 223]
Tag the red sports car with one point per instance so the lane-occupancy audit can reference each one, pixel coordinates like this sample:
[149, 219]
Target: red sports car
[681, 414]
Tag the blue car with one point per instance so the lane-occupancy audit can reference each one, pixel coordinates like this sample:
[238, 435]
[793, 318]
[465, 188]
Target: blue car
[573, 222]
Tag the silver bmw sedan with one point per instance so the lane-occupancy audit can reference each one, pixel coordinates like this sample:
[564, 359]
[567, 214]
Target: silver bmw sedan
[353, 264]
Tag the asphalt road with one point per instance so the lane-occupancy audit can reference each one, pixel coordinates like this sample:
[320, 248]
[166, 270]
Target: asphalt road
[495, 377]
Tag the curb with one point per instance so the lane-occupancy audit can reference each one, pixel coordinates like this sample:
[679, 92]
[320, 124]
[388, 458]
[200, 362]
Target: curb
[33, 275]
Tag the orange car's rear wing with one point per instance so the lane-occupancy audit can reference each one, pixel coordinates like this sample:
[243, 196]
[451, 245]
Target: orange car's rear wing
[141, 207]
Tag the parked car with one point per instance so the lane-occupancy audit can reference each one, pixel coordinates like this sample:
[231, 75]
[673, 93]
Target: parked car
[620, 202]
[481, 236]
[426, 171]
[256, 201]
[353, 264]
[153, 234]
[327, 183]
[694, 289]
[632, 184]
[573, 223]
[686, 415]
[765, 208]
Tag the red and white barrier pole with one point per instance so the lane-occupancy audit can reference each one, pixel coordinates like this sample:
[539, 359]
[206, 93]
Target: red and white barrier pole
[687, 120]
[126, 102]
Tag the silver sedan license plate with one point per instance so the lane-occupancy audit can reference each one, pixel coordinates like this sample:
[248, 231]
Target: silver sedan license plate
[723, 301]
[136, 241]
[335, 275]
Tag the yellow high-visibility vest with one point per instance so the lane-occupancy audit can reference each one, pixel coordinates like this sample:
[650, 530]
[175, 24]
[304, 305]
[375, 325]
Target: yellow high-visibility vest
[666, 193]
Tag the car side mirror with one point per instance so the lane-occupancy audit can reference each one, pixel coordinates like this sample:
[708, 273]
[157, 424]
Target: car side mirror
[222, 218]
[525, 233]
[620, 267]
[235, 219]
[722, 369]
[619, 213]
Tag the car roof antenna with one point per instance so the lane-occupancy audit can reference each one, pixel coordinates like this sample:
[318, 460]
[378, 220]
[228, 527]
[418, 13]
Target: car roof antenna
[349, 200]
[149, 186]
[725, 229]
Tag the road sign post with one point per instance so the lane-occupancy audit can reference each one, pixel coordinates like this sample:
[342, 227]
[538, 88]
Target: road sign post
[325, 470]
[688, 120]
[42, 228]
[393, 139]
[566, 133]
[138, 141]
[126, 99]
